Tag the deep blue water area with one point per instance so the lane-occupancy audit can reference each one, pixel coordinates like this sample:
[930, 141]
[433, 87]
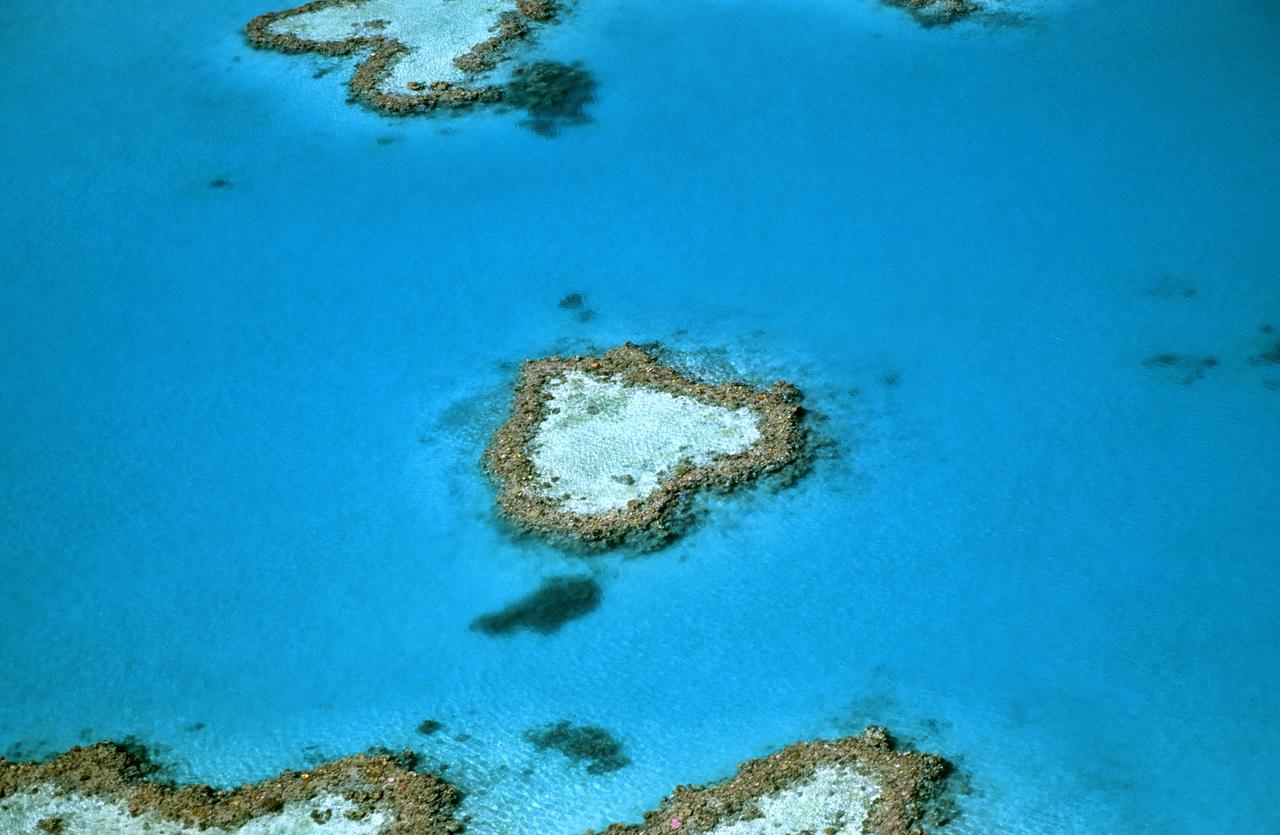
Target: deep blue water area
[1022, 272]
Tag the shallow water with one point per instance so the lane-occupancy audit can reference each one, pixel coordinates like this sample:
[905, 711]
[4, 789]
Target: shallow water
[240, 512]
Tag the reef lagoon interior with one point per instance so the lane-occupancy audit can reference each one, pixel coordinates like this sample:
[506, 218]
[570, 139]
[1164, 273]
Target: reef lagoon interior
[254, 340]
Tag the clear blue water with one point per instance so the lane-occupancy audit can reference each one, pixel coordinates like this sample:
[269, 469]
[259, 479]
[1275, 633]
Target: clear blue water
[238, 482]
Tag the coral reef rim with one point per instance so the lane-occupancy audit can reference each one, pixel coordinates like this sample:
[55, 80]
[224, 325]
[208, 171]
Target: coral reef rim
[421, 55]
[109, 787]
[606, 449]
[854, 784]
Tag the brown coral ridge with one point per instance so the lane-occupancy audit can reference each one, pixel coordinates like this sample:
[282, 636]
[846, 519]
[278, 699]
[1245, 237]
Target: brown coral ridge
[508, 458]
[383, 51]
[935, 12]
[415, 803]
[908, 781]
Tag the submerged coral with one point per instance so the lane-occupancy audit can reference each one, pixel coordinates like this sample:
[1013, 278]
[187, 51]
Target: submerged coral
[590, 744]
[109, 787]
[1270, 356]
[427, 727]
[1182, 368]
[858, 784]
[605, 449]
[553, 94]
[558, 601]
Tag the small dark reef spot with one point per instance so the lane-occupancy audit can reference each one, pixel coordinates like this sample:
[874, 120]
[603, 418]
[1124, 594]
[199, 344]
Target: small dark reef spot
[1172, 286]
[558, 601]
[219, 182]
[1186, 369]
[581, 743]
[577, 302]
[554, 95]
[429, 726]
[1271, 356]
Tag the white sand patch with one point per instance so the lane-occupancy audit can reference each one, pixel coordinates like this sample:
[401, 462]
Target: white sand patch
[436, 32]
[834, 798]
[83, 815]
[606, 433]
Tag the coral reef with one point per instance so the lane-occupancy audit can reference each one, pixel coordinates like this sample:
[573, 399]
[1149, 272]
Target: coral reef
[421, 54]
[112, 787]
[859, 784]
[935, 12]
[635, 439]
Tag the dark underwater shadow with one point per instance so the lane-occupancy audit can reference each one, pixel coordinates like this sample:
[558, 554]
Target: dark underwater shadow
[556, 602]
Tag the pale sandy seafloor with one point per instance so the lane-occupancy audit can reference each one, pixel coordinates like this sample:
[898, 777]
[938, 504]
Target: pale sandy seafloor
[833, 799]
[604, 443]
[84, 815]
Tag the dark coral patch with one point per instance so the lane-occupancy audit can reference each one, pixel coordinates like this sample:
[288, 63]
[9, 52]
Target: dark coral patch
[558, 601]
[590, 744]
[1271, 356]
[1185, 370]
[553, 94]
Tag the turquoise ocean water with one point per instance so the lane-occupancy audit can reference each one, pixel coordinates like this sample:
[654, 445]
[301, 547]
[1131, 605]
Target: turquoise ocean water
[1023, 273]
